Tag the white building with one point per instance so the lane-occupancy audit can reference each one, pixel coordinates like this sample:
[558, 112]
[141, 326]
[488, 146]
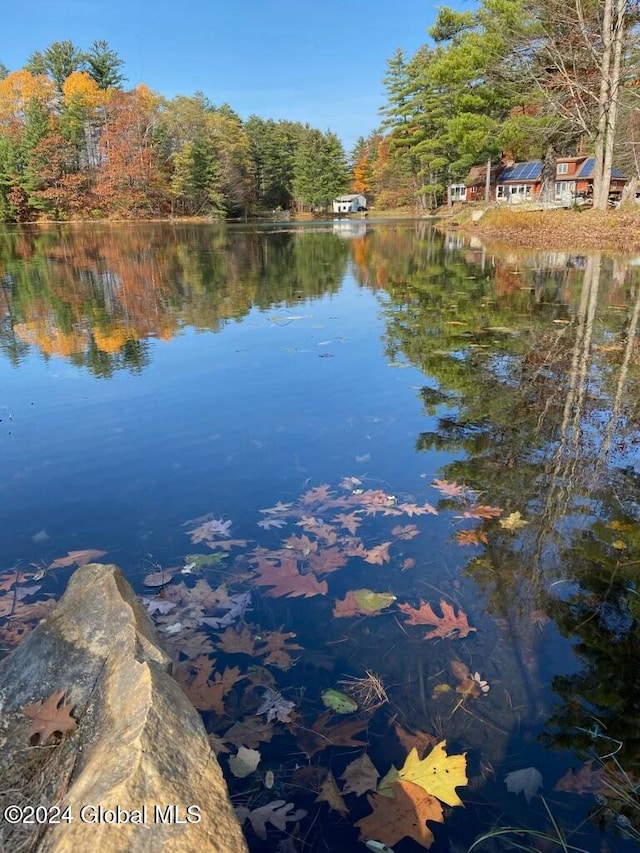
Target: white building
[349, 203]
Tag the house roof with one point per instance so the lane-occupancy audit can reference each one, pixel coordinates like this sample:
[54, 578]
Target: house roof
[346, 198]
[478, 174]
[530, 171]
[587, 170]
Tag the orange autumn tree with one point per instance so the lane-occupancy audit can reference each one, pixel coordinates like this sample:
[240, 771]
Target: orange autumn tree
[130, 180]
[18, 90]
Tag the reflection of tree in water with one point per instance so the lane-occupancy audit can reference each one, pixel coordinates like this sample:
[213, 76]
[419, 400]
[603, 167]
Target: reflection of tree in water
[536, 392]
[96, 295]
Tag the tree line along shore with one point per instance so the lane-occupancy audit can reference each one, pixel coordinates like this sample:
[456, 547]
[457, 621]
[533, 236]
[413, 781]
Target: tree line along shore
[537, 80]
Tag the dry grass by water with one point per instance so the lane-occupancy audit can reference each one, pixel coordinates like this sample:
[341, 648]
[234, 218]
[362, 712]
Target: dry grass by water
[614, 230]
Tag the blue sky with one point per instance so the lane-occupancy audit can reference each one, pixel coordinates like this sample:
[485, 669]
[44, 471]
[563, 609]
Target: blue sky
[316, 61]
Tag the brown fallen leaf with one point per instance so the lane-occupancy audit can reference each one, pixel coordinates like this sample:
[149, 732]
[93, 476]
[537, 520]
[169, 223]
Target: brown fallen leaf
[287, 581]
[237, 642]
[207, 694]
[80, 558]
[251, 732]
[589, 779]
[278, 647]
[327, 560]
[481, 511]
[330, 793]
[450, 489]
[471, 537]
[349, 520]
[422, 741]
[450, 624]
[319, 735]
[404, 814]
[360, 776]
[379, 554]
[50, 716]
[405, 531]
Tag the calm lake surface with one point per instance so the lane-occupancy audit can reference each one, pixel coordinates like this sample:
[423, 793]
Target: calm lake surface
[255, 422]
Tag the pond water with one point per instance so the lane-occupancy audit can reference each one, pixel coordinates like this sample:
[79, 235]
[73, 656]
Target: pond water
[264, 425]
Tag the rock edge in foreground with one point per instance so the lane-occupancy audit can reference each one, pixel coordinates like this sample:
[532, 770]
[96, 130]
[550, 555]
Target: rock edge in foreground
[139, 745]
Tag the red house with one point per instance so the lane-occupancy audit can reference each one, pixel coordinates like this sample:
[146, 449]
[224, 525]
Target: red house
[523, 181]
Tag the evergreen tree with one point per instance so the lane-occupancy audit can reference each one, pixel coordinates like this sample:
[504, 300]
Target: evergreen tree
[58, 61]
[103, 65]
[320, 169]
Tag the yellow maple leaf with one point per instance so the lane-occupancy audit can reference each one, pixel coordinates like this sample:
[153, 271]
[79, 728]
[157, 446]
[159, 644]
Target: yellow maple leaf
[514, 521]
[438, 774]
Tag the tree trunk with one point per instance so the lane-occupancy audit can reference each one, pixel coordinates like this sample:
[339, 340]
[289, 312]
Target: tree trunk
[547, 191]
[614, 36]
[487, 183]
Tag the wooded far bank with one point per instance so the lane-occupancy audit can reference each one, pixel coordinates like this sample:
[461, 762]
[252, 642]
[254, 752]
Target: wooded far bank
[509, 80]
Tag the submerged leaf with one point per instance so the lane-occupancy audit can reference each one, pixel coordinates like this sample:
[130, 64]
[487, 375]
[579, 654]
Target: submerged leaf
[363, 602]
[330, 794]
[360, 776]
[244, 762]
[527, 781]
[277, 813]
[338, 701]
[404, 814]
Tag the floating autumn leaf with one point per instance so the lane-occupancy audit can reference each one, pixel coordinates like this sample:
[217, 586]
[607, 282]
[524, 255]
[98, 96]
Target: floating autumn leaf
[481, 511]
[527, 781]
[309, 776]
[277, 813]
[471, 537]
[160, 577]
[271, 521]
[330, 794]
[302, 544]
[469, 685]
[319, 494]
[286, 580]
[450, 489]
[209, 530]
[379, 554]
[422, 741]
[351, 521]
[234, 642]
[406, 531]
[278, 647]
[338, 701]
[362, 602]
[439, 774]
[360, 776]
[514, 521]
[278, 509]
[275, 706]
[448, 625]
[319, 735]
[50, 716]
[250, 732]
[207, 694]
[327, 560]
[405, 814]
[79, 558]
[244, 762]
[587, 780]
[414, 509]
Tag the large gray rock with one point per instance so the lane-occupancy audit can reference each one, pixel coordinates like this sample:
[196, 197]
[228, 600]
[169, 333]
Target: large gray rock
[139, 745]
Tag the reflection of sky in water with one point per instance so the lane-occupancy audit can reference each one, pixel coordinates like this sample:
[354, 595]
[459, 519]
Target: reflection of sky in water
[222, 421]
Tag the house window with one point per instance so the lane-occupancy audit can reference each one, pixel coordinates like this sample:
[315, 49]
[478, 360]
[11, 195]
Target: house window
[501, 191]
[563, 188]
[562, 169]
